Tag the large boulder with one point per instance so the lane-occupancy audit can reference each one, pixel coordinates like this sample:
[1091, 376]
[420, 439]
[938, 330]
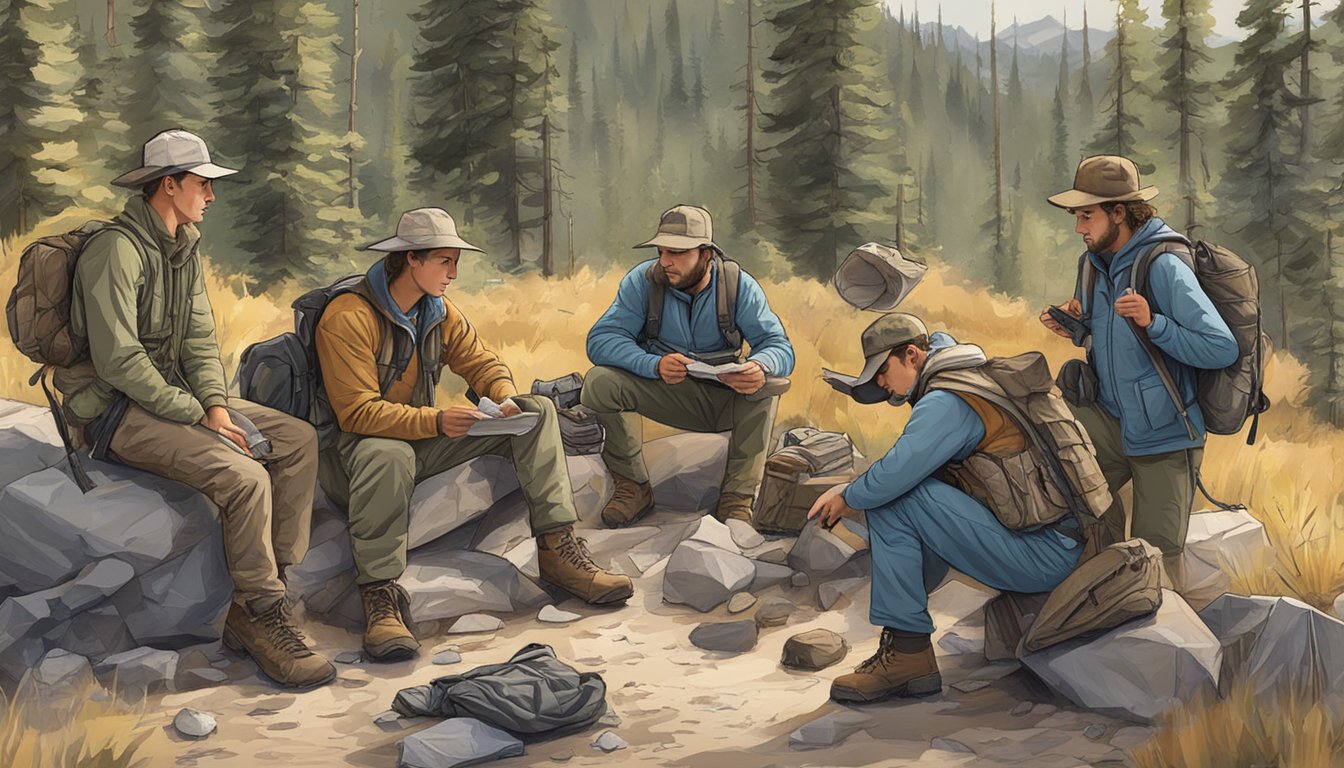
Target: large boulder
[1278, 645]
[29, 441]
[1217, 539]
[703, 576]
[820, 552]
[1139, 669]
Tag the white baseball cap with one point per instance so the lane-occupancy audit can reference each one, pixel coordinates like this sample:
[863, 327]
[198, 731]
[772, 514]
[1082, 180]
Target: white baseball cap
[170, 152]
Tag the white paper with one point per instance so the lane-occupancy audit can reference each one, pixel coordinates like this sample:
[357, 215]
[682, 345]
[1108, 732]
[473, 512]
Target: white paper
[706, 371]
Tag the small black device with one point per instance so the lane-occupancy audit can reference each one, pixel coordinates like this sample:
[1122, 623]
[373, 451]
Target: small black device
[1077, 329]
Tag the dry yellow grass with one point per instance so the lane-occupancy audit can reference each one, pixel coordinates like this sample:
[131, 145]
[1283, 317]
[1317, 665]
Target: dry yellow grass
[81, 734]
[1288, 480]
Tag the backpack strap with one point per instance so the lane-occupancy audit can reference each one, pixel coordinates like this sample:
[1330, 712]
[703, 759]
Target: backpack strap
[725, 300]
[1084, 284]
[1138, 280]
[82, 478]
[653, 307]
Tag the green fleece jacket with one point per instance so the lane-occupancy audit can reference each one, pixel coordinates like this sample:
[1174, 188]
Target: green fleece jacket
[151, 332]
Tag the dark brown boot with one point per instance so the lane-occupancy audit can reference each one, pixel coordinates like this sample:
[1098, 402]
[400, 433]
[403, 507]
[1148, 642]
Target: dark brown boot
[734, 506]
[387, 619]
[563, 560]
[629, 502]
[268, 635]
[890, 672]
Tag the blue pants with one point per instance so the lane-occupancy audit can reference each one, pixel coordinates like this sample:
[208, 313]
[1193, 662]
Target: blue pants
[915, 538]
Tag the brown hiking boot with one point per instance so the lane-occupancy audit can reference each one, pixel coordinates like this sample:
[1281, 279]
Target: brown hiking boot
[269, 637]
[563, 560]
[733, 506]
[387, 616]
[629, 502]
[889, 672]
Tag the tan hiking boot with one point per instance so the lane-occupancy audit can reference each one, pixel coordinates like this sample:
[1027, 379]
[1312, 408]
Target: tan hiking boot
[387, 617]
[889, 672]
[629, 502]
[563, 560]
[269, 637]
[733, 506]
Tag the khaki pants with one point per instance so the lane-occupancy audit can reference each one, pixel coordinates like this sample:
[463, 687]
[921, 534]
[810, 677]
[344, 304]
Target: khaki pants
[266, 509]
[620, 398]
[373, 477]
[1164, 484]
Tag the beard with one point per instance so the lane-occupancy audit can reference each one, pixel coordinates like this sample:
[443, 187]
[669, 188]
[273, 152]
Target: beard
[687, 280]
[1108, 239]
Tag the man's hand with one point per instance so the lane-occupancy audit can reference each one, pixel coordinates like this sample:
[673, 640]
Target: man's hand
[830, 507]
[672, 368]
[454, 422]
[1073, 307]
[509, 408]
[746, 381]
[217, 419]
[1133, 306]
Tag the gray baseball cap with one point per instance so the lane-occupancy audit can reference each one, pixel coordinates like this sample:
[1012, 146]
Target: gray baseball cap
[423, 229]
[876, 276]
[683, 227]
[169, 152]
[878, 339]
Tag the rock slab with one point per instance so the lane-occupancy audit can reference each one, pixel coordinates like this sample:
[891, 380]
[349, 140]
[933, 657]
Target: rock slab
[456, 741]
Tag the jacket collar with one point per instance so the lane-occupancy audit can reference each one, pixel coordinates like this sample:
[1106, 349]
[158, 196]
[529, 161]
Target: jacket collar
[429, 310]
[710, 287]
[945, 354]
[146, 223]
[1153, 231]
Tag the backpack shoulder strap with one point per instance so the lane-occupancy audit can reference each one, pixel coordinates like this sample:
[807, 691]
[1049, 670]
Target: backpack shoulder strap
[1084, 284]
[1139, 282]
[653, 307]
[725, 300]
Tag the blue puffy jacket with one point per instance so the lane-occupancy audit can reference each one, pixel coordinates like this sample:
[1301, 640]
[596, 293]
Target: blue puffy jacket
[1186, 328]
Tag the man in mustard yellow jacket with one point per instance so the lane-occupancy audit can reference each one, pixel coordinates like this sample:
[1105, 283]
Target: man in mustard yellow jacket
[392, 435]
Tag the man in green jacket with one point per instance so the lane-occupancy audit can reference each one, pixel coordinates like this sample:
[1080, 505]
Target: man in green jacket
[153, 395]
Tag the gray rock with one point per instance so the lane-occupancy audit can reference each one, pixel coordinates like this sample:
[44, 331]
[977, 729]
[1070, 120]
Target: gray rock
[447, 657]
[609, 720]
[138, 672]
[465, 582]
[563, 756]
[194, 723]
[971, 686]
[1278, 645]
[956, 643]
[744, 534]
[741, 602]
[829, 730]
[37, 613]
[944, 744]
[608, 741]
[1007, 618]
[703, 576]
[1023, 708]
[349, 657]
[1095, 731]
[1338, 607]
[475, 622]
[685, 470]
[774, 612]
[768, 575]
[456, 741]
[800, 579]
[643, 561]
[1215, 539]
[29, 441]
[729, 636]
[715, 534]
[449, 500]
[814, 650]
[58, 678]
[820, 552]
[830, 593]
[181, 602]
[553, 615]
[191, 679]
[1138, 670]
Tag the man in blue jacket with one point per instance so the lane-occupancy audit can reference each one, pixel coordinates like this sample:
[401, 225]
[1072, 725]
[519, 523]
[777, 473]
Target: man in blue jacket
[919, 525]
[642, 348]
[1139, 433]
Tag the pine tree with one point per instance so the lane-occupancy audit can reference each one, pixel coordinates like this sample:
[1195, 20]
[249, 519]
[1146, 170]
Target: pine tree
[676, 89]
[18, 90]
[98, 99]
[1186, 94]
[1086, 102]
[576, 110]
[172, 62]
[1060, 165]
[1128, 51]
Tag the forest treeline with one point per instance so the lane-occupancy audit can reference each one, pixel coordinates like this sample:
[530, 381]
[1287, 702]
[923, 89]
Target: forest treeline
[557, 131]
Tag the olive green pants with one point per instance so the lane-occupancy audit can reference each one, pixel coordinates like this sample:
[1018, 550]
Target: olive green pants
[373, 478]
[1164, 483]
[620, 398]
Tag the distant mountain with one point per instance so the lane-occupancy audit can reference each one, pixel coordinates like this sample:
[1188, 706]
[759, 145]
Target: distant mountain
[1038, 38]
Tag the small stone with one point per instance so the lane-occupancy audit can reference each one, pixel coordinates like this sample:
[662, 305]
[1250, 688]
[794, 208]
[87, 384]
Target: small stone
[800, 579]
[447, 657]
[1022, 709]
[349, 657]
[553, 615]
[608, 741]
[475, 622]
[741, 602]
[830, 593]
[610, 719]
[814, 650]
[563, 757]
[1095, 731]
[950, 745]
[774, 612]
[194, 723]
[730, 636]
[744, 535]
[971, 686]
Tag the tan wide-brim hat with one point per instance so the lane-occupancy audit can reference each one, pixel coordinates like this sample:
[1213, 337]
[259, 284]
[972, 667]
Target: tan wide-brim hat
[878, 277]
[169, 152]
[683, 227]
[423, 229]
[1104, 179]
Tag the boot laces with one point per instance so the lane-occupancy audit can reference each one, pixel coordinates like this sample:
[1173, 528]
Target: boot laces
[383, 604]
[885, 647]
[574, 551]
[281, 631]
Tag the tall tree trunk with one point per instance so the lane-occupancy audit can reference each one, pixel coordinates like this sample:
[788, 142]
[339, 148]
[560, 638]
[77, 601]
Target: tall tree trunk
[1187, 182]
[355, 52]
[1304, 143]
[547, 266]
[111, 23]
[998, 132]
[1119, 82]
[900, 217]
[751, 115]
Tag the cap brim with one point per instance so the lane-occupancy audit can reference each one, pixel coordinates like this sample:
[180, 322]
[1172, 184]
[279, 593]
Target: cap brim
[677, 243]
[142, 176]
[861, 388]
[394, 244]
[1076, 198]
[210, 171]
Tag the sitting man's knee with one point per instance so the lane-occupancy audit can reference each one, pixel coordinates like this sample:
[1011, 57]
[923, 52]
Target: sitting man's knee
[378, 458]
[600, 387]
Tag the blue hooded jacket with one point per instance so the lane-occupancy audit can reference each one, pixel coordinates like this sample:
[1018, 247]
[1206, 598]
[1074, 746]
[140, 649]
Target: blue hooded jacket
[1186, 329]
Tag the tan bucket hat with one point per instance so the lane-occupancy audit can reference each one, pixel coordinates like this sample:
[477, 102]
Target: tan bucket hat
[169, 152]
[878, 339]
[423, 229]
[876, 276]
[1104, 179]
[683, 227]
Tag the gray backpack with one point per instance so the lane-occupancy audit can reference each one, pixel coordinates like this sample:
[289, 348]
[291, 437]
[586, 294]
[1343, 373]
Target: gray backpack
[580, 431]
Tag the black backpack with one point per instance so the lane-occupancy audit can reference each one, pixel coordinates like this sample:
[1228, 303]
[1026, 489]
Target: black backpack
[282, 372]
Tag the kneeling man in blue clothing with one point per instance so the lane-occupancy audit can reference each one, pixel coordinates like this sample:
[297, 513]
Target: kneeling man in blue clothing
[919, 525]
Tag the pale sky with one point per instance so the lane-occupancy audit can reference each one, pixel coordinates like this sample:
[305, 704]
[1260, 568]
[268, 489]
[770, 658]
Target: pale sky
[974, 14]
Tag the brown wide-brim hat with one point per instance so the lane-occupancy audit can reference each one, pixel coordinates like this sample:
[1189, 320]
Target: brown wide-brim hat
[1104, 179]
